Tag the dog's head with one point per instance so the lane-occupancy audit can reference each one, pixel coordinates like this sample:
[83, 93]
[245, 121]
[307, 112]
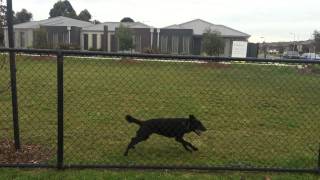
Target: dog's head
[195, 125]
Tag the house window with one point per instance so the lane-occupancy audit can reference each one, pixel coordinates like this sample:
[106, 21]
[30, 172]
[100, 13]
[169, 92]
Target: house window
[137, 43]
[65, 37]
[175, 44]
[94, 41]
[164, 44]
[22, 39]
[102, 43]
[85, 41]
[186, 45]
[55, 39]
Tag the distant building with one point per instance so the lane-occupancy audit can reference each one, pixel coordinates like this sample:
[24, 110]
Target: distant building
[199, 27]
[102, 36]
[60, 30]
[280, 47]
[185, 38]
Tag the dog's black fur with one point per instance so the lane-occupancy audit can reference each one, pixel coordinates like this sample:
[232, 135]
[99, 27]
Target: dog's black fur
[172, 128]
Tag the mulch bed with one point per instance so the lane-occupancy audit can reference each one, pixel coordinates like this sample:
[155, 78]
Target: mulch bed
[215, 65]
[42, 58]
[308, 69]
[29, 153]
[128, 61]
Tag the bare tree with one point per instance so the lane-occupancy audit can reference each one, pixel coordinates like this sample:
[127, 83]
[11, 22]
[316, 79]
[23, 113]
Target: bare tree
[316, 35]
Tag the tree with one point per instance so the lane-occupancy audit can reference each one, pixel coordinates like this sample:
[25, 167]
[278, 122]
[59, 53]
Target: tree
[40, 39]
[3, 22]
[22, 16]
[293, 47]
[212, 43]
[63, 8]
[316, 36]
[96, 22]
[127, 19]
[124, 36]
[84, 15]
[305, 49]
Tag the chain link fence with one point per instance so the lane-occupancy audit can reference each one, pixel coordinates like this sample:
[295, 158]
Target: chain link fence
[5, 106]
[257, 114]
[36, 79]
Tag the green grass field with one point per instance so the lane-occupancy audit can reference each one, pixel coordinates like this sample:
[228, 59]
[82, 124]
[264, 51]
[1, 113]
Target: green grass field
[256, 115]
[141, 175]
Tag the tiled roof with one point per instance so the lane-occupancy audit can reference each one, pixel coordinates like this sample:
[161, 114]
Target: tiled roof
[113, 25]
[200, 26]
[56, 21]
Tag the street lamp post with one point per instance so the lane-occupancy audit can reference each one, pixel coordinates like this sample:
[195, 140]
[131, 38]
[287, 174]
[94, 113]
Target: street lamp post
[264, 48]
[294, 39]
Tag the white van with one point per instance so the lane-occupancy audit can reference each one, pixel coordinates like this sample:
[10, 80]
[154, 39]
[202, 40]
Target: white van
[310, 56]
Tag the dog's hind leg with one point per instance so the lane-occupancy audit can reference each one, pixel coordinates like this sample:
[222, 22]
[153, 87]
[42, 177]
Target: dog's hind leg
[134, 141]
[184, 143]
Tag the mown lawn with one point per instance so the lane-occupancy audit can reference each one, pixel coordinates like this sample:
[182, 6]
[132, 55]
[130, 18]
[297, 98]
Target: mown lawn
[161, 175]
[256, 115]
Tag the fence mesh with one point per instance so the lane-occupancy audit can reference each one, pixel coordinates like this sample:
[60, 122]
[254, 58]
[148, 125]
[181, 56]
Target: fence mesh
[36, 84]
[256, 114]
[5, 107]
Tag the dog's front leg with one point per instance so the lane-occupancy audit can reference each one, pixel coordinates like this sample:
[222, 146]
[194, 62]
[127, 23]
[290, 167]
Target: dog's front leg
[184, 143]
[192, 146]
[189, 144]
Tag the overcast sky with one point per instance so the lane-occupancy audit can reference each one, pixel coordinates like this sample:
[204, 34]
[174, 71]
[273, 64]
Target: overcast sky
[274, 20]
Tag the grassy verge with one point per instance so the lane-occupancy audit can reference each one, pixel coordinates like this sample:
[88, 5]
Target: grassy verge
[161, 175]
[257, 116]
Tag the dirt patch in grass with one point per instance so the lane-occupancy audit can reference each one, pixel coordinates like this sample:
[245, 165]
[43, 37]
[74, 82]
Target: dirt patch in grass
[42, 58]
[309, 69]
[29, 153]
[128, 61]
[216, 65]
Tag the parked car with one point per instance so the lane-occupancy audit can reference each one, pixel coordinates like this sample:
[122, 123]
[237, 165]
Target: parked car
[310, 56]
[291, 55]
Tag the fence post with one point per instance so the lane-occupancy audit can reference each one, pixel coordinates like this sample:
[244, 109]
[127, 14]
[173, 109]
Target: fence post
[318, 167]
[60, 109]
[13, 78]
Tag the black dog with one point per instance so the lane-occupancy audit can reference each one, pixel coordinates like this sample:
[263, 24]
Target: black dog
[174, 127]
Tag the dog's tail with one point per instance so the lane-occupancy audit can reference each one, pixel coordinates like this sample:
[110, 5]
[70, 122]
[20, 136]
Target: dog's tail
[131, 119]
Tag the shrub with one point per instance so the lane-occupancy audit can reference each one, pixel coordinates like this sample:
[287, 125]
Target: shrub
[95, 49]
[69, 46]
[151, 51]
[213, 43]
[40, 39]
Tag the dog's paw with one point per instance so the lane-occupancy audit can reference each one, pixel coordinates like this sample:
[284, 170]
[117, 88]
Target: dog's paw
[195, 149]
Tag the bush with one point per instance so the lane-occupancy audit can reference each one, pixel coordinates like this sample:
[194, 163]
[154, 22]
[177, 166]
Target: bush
[69, 46]
[40, 39]
[213, 43]
[151, 51]
[124, 36]
[95, 49]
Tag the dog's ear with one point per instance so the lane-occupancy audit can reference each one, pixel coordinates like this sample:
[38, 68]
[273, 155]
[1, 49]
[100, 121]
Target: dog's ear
[191, 116]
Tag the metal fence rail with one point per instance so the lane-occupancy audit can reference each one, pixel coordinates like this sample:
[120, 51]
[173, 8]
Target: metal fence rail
[260, 114]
